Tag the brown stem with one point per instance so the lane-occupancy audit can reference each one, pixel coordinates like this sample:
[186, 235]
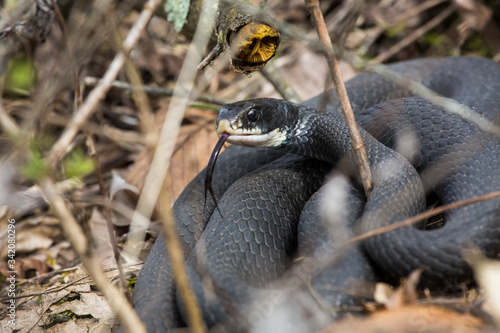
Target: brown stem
[210, 56]
[155, 178]
[91, 81]
[93, 153]
[281, 86]
[74, 233]
[177, 260]
[98, 93]
[357, 142]
[106, 212]
[422, 216]
[413, 36]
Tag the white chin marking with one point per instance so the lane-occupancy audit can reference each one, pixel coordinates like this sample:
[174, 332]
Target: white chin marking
[271, 139]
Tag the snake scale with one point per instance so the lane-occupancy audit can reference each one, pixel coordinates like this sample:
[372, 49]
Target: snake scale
[285, 203]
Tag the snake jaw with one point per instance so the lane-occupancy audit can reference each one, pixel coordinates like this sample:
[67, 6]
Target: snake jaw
[250, 137]
[271, 139]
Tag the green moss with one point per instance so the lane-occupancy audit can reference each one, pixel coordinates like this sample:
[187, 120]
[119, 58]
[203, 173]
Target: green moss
[36, 168]
[439, 44]
[75, 165]
[78, 165]
[20, 77]
[433, 38]
[396, 30]
[476, 44]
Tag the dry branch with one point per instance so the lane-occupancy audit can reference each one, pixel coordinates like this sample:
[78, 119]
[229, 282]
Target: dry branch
[8, 124]
[166, 142]
[450, 105]
[74, 233]
[155, 178]
[422, 216]
[394, 21]
[281, 86]
[413, 36]
[153, 91]
[106, 212]
[98, 93]
[357, 142]
[174, 250]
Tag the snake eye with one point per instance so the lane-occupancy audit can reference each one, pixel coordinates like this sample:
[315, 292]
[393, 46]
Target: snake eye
[252, 115]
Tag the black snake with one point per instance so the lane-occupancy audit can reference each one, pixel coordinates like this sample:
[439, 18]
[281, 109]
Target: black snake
[237, 255]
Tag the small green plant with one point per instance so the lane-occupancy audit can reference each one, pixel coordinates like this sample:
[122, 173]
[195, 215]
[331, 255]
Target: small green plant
[476, 44]
[77, 165]
[131, 284]
[35, 168]
[20, 77]
[395, 30]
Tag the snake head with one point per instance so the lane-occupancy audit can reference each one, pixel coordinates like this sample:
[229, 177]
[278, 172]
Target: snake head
[262, 122]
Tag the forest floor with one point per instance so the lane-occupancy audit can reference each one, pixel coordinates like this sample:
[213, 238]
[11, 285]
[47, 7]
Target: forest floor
[54, 293]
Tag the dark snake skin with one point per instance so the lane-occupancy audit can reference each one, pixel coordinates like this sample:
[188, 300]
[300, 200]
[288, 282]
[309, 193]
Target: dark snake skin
[250, 246]
[154, 291]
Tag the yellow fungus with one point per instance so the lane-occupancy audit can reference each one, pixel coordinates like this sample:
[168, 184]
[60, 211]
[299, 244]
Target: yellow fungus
[255, 42]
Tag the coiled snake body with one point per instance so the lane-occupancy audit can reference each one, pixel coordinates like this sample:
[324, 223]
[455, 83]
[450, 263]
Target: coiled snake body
[234, 257]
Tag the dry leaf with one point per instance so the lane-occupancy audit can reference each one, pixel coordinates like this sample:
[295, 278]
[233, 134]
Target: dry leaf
[487, 273]
[406, 293]
[120, 184]
[411, 318]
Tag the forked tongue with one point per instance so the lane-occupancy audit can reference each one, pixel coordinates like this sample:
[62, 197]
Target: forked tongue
[210, 169]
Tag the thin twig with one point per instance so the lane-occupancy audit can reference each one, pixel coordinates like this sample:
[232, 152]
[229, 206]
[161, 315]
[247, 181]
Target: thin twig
[93, 153]
[41, 314]
[98, 93]
[413, 36]
[74, 233]
[449, 104]
[9, 126]
[424, 215]
[394, 21]
[357, 142]
[282, 87]
[140, 98]
[149, 131]
[404, 16]
[106, 212]
[153, 91]
[166, 144]
[176, 256]
[40, 279]
[210, 57]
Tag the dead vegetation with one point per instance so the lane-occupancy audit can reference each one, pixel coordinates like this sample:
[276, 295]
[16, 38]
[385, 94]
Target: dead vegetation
[51, 78]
